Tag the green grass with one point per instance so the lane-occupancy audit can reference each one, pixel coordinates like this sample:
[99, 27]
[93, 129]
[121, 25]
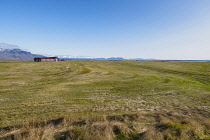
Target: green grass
[49, 90]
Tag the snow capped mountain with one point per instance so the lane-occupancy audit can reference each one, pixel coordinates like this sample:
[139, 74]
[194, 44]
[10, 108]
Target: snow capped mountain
[13, 52]
[71, 56]
[4, 46]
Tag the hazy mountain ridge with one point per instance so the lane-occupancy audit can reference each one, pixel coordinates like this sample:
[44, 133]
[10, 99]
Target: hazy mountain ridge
[17, 54]
[12, 52]
[4, 46]
[101, 58]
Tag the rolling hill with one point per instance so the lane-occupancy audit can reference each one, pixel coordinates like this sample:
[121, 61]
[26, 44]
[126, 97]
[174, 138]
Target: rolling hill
[12, 52]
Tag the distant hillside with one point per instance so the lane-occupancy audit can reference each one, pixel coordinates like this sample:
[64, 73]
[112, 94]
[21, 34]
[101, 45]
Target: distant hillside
[4, 46]
[13, 52]
[16, 54]
[65, 57]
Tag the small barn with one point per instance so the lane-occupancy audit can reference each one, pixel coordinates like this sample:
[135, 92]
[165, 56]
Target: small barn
[44, 59]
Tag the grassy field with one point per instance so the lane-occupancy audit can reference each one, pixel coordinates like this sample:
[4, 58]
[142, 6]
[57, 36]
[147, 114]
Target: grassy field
[104, 100]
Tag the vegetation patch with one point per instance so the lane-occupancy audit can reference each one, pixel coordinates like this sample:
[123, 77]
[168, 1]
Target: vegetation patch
[104, 100]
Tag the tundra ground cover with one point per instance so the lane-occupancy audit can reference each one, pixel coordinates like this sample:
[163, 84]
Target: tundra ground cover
[119, 99]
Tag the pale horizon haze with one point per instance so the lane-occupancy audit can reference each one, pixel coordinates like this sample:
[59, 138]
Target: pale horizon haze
[160, 29]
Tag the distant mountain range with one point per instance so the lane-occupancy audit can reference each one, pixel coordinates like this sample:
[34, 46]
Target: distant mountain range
[4, 46]
[66, 57]
[12, 52]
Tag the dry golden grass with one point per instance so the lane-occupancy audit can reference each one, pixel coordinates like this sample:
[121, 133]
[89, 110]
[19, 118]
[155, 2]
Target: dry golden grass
[104, 100]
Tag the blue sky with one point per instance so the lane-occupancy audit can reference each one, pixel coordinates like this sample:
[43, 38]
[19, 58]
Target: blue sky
[162, 29]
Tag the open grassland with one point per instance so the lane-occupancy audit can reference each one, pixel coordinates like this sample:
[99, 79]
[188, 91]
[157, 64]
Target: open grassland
[104, 100]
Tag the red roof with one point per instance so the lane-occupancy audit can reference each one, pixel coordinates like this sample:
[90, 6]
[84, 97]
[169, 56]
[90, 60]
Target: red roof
[47, 57]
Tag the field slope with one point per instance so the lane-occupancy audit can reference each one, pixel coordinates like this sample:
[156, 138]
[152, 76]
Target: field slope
[104, 100]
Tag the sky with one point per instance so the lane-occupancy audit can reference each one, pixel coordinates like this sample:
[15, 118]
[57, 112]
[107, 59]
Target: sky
[161, 29]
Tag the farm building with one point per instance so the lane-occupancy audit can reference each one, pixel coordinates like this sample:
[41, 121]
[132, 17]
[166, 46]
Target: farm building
[44, 59]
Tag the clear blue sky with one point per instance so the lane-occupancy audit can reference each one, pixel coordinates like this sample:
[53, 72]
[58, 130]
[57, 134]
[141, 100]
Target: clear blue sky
[164, 29]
